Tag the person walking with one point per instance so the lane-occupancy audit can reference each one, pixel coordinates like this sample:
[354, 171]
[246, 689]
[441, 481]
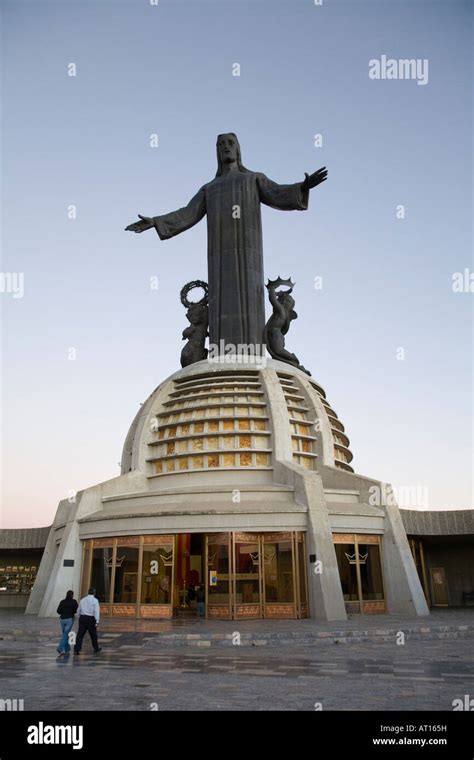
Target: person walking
[89, 617]
[66, 610]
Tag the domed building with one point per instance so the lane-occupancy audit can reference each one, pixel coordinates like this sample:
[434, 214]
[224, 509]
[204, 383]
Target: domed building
[237, 477]
[236, 472]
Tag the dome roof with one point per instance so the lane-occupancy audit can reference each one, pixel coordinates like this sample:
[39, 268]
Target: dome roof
[233, 417]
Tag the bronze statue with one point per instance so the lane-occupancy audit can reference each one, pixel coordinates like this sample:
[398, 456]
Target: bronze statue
[279, 323]
[231, 202]
[196, 333]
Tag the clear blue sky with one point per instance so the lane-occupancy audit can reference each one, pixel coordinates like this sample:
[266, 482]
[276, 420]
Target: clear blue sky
[167, 69]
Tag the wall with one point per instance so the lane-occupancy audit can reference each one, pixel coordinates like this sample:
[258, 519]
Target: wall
[456, 555]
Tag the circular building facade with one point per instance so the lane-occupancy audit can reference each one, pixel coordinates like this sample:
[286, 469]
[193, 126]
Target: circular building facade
[237, 492]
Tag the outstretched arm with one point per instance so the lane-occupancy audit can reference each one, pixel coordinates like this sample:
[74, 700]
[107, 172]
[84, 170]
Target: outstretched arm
[169, 225]
[289, 197]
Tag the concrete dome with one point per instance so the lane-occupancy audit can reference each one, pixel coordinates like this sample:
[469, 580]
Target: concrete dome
[236, 452]
[223, 420]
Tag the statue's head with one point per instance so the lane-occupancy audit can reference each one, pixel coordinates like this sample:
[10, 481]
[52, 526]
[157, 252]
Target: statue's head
[228, 152]
[288, 303]
[197, 314]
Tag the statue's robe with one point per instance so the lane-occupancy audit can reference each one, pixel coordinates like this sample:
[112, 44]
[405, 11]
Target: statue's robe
[235, 252]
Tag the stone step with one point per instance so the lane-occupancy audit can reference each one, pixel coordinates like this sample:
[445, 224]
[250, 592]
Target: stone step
[272, 638]
[206, 640]
[184, 613]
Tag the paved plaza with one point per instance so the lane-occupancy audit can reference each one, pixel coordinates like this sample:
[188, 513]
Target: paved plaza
[271, 669]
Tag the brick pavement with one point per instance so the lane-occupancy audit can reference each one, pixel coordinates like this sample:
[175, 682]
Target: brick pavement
[419, 675]
[287, 665]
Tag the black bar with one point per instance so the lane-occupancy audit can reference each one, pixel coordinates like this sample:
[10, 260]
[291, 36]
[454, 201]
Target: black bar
[372, 734]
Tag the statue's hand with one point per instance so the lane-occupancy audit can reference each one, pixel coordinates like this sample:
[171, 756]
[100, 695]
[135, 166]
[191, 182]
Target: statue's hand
[145, 223]
[311, 180]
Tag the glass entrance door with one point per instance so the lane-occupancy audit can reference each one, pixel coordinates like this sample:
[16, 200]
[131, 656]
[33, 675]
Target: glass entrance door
[218, 582]
[247, 575]
[133, 575]
[256, 575]
[280, 570]
[157, 577]
[360, 571]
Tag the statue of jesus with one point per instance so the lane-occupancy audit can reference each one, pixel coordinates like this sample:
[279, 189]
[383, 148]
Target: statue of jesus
[231, 202]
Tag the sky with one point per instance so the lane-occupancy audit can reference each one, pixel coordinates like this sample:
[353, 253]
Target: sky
[86, 337]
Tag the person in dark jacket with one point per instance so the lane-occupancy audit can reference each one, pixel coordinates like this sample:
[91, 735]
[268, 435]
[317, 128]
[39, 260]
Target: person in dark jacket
[66, 610]
[201, 601]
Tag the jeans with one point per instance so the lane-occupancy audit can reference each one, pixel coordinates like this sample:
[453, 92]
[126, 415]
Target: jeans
[66, 625]
[201, 609]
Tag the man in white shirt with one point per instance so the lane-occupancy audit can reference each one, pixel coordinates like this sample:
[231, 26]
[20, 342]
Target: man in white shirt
[89, 616]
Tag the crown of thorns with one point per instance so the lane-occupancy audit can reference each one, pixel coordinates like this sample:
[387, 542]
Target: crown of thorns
[190, 286]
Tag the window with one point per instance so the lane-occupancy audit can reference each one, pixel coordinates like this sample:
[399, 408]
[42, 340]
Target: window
[101, 573]
[278, 564]
[126, 575]
[157, 571]
[360, 572]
